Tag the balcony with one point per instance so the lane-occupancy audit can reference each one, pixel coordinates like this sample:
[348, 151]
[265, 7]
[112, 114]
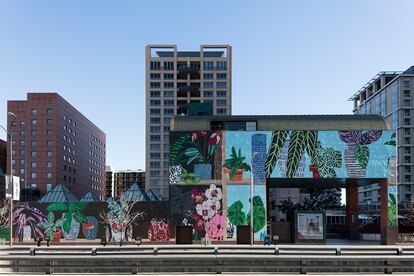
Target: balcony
[188, 88]
[188, 70]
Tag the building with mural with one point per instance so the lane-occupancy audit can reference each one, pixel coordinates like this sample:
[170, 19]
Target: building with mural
[214, 160]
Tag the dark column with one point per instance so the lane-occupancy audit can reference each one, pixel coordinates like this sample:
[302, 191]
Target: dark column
[388, 226]
[352, 210]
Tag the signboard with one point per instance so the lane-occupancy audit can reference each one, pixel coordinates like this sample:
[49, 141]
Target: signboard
[310, 226]
[12, 187]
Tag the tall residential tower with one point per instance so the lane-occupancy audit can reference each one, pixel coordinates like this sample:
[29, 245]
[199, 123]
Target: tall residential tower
[390, 94]
[175, 79]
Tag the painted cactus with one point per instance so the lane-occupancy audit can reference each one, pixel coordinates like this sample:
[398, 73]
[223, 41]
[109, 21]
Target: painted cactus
[357, 151]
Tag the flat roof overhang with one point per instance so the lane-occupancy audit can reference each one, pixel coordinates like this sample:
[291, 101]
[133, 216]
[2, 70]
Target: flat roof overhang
[320, 183]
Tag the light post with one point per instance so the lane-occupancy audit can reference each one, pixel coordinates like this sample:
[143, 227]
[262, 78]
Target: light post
[10, 134]
[251, 207]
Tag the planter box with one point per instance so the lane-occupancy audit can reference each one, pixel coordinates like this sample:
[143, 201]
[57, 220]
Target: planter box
[243, 234]
[183, 234]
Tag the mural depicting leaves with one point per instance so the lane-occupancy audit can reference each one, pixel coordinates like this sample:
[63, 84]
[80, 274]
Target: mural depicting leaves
[259, 214]
[177, 149]
[392, 141]
[312, 145]
[327, 160]
[362, 155]
[392, 209]
[235, 215]
[278, 139]
[296, 149]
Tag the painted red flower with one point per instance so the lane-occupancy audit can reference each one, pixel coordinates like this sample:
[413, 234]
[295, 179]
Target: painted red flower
[198, 134]
[214, 139]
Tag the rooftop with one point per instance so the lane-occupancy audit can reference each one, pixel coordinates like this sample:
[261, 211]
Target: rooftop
[190, 53]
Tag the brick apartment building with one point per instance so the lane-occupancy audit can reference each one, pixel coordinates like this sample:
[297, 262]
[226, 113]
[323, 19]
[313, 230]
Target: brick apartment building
[53, 143]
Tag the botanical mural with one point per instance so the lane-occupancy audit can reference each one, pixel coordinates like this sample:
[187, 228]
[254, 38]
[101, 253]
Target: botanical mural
[201, 207]
[392, 206]
[239, 208]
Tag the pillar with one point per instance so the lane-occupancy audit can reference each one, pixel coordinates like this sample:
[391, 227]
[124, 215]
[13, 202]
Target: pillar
[388, 212]
[352, 210]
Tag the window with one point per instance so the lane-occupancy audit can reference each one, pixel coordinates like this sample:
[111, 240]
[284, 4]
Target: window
[155, 120]
[155, 155]
[22, 161]
[155, 102]
[49, 132]
[155, 137]
[407, 84]
[208, 65]
[407, 178]
[49, 143]
[155, 65]
[21, 171]
[155, 146]
[221, 111]
[208, 93]
[221, 93]
[49, 111]
[34, 153]
[166, 128]
[34, 122]
[155, 84]
[13, 161]
[155, 111]
[208, 76]
[65, 117]
[155, 94]
[155, 76]
[221, 102]
[168, 111]
[49, 154]
[34, 143]
[221, 84]
[22, 123]
[22, 133]
[34, 175]
[221, 65]
[155, 129]
[34, 132]
[167, 121]
[22, 143]
[168, 65]
[168, 76]
[22, 152]
[154, 164]
[168, 93]
[33, 186]
[33, 165]
[221, 76]
[208, 84]
[169, 102]
[168, 85]
[49, 121]
[48, 187]
[407, 93]
[155, 173]
[49, 175]
[34, 111]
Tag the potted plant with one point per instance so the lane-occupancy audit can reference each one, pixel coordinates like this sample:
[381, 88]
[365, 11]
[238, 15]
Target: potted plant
[235, 165]
[51, 227]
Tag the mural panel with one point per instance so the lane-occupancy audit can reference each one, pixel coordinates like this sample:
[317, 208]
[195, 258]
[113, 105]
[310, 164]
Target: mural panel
[239, 208]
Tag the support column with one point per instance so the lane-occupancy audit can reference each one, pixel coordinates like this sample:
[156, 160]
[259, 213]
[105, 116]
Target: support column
[352, 210]
[388, 213]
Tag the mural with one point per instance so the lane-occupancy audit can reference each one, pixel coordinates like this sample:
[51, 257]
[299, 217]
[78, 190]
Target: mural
[239, 208]
[392, 206]
[201, 207]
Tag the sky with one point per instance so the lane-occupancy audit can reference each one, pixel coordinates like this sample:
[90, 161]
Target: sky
[289, 57]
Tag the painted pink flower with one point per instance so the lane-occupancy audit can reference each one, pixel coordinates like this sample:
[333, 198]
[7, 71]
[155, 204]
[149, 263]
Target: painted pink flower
[198, 134]
[216, 227]
[214, 139]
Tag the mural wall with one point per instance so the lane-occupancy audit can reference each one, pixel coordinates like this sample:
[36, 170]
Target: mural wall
[91, 220]
[227, 159]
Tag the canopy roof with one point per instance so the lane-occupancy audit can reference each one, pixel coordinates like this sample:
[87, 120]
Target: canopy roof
[60, 193]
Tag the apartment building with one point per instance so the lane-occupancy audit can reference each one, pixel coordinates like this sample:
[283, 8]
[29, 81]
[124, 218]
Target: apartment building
[175, 80]
[53, 143]
[390, 94]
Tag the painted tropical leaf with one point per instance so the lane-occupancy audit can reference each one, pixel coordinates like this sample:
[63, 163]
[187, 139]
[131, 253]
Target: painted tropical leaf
[259, 214]
[235, 214]
[391, 199]
[57, 206]
[76, 206]
[390, 143]
[332, 158]
[79, 217]
[177, 148]
[67, 222]
[362, 155]
[296, 149]
[327, 172]
[394, 135]
[278, 139]
[312, 145]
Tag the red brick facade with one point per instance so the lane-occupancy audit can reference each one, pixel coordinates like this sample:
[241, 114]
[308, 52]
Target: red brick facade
[56, 144]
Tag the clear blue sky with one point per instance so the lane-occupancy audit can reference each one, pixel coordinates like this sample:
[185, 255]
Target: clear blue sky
[289, 57]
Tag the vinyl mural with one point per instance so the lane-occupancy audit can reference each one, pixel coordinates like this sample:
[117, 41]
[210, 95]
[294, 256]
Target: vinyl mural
[228, 159]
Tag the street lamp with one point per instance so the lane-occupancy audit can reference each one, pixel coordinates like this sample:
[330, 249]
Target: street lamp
[251, 202]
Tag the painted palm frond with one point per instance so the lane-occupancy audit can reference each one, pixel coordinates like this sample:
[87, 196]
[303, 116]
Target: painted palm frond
[312, 145]
[296, 149]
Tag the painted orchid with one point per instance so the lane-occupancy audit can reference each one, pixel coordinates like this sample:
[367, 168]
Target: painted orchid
[216, 227]
[214, 193]
[208, 208]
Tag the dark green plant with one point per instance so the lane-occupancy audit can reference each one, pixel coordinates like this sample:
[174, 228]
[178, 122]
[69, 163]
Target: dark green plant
[326, 160]
[50, 226]
[259, 214]
[235, 162]
[235, 214]
[392, 210]
[189, 178]
[278, 139]
[71, 210]
[362, 155]
[392, 141]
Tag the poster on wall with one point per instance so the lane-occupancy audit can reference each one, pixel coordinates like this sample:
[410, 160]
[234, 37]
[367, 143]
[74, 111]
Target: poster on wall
[310, 226]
